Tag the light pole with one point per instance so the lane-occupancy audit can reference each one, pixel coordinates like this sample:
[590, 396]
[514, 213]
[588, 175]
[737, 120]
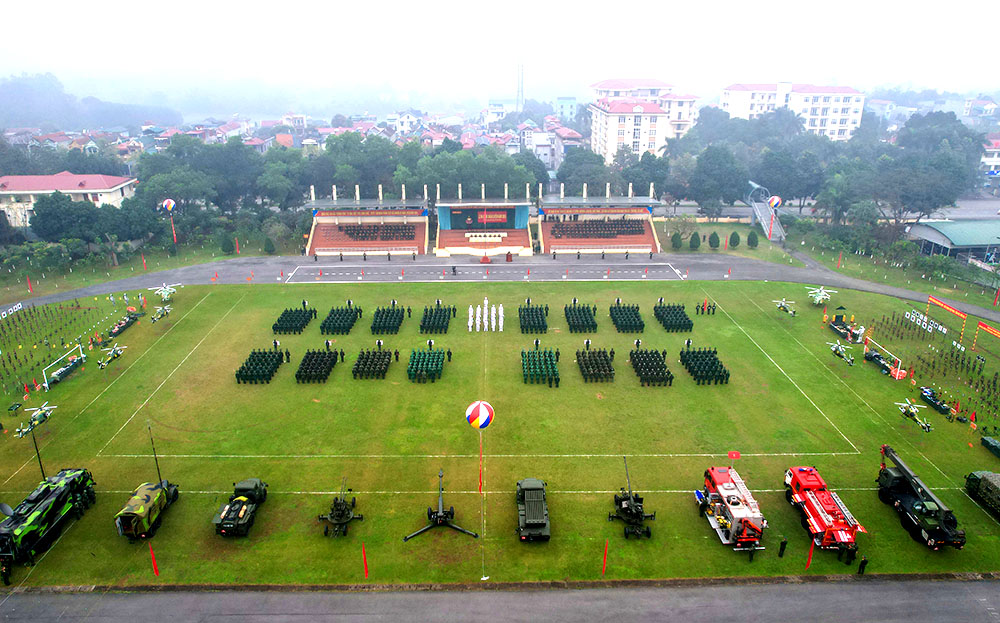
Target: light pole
[37, 453]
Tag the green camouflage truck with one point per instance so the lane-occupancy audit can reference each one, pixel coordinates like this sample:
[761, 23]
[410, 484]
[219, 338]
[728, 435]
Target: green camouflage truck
[35, 524]
[142, 514]
[532, 510]
[984, 487]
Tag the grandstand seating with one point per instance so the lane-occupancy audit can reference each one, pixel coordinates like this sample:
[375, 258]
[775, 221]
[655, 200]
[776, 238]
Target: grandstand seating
[331, 239]
[562, 233]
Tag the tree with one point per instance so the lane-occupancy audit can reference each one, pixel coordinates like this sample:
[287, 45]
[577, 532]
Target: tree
[624, 158]
[777, 172]
[695, 241]
[713, 240]
[718, 177]
[340, 121]
[534, 165]
[752, 239]
[584, 166]
[676, 242]
[648, 170]
[226, 244]
[448, 145]
[8, 235]
[275, 184]
[184, 185]
[57, 217]
[734, 240]
[269, 246]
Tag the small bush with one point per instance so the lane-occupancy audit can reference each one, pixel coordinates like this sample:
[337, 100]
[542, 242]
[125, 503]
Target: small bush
[752, 239]
[713, 240]
[676, 241]
[695, 241]
[734, 240]
[226, 244]
[268, 246]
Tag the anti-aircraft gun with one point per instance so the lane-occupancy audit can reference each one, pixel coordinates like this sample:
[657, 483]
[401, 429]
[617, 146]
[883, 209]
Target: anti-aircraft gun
[341, 512]
[628, 508]
[922, 514]
[440, 517]
[34, 525]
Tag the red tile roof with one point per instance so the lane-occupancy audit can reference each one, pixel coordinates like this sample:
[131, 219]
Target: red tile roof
[631, 83]
[65, 181]
[284, 140]
[565, 133]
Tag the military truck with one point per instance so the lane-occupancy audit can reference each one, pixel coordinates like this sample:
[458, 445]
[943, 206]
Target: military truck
[236, 517]
[35, 524]
[144, 511]
[931, 397]
[922, 514]
[532, 510]
[984, 487]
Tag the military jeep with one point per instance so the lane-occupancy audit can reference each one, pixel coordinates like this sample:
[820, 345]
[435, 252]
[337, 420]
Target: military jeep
[236, 517]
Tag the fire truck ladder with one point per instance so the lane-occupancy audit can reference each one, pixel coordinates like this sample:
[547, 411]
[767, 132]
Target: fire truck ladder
[741, 486]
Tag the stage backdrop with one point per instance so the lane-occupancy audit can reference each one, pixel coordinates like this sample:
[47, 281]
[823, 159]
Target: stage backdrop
[483, 218]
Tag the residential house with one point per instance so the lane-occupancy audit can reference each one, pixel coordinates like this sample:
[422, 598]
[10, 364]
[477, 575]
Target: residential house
[18, 193]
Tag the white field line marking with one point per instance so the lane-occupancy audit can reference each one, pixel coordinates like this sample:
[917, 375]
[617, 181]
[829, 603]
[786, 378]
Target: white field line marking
[845, 384]
[679, 276]
[983, 510]
[469, 456]
[116, 379]
[780, 369]
[476, 491]
[167, 332]
[292, 274]
[37, 562]
[177, 367]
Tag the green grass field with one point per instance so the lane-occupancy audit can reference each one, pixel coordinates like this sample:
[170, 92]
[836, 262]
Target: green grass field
[790, 402]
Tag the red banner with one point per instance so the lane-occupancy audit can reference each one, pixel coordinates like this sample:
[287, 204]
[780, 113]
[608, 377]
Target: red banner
[947, 307]
[991, 330]
[491, 217]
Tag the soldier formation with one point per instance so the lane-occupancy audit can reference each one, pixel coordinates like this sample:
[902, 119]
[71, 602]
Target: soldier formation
[387, 319]
[627, 318]
[260, 366]
[340, 320]
[425, 365]
[437, 318]
[596, 365]
[704, 366]
[294, 320]
[651, 366]
[372, 364]
[540, 366]
[316, 366]
[673, 317]
[580, 318]
[533, 318]
[706, 309]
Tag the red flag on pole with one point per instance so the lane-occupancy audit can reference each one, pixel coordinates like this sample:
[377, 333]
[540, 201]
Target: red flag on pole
[237, 245]
[26, 390]
[38, 387]
[996, 299]
[840, 257]
[734, 454]
[364, 557]
[704, 305]
[604, 567]
[480, 461]
[143, 261]
[172, 230]
[973, 417]
[29, 285]
[812, 546]
[156, 571]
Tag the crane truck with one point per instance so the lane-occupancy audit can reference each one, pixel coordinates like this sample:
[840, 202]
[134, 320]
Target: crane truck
[922, 514]
[731, 509]
[824, 514]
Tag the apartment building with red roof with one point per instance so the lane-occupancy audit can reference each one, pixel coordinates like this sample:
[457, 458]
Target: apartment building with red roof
[18, 193]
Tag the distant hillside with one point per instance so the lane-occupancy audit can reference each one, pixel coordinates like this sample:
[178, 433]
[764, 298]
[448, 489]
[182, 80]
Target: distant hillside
[40, 101]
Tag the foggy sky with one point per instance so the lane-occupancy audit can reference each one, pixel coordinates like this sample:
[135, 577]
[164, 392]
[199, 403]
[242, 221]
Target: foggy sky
[430, 53]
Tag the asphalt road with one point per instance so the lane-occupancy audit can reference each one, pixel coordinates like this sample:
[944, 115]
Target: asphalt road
[841, 601]
[662, 267]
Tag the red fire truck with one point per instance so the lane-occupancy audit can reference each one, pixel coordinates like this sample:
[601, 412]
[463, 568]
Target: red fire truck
[824, 514]
[731, 509]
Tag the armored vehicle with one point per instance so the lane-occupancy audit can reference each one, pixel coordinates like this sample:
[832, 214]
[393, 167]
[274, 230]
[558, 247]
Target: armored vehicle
[984, 487]
[144, 511]
[236, 517]
[922, 514]
[341, 512]
[37, 521]
[628, 508]
[876, 357]
[532, 511]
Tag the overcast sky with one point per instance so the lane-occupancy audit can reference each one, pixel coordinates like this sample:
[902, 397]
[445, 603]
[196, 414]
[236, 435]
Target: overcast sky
[429, 51]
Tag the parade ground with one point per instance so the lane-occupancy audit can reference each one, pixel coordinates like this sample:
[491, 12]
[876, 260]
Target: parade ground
[789, 402]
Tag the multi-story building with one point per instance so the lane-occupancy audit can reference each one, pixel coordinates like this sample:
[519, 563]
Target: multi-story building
[834, 112]
[989, 163]
[566, 109]
[640, 114]
[18, 193]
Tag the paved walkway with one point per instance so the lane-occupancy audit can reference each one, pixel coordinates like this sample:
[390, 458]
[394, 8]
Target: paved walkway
[566, 267]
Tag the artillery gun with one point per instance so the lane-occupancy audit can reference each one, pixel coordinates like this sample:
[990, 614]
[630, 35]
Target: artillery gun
[341, 512]
[35, 524]
[921, 513]
[440, 517]
[628, 508]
